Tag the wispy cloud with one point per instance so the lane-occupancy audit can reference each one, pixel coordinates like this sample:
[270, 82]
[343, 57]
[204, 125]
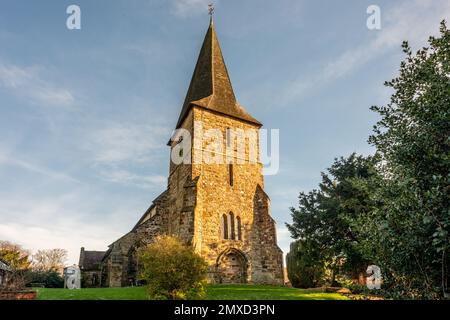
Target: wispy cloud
[128, 178]
[27, 83]
[83, 216]
[53, 223]
[70, 237]
[186, 8]
[414, 21]
[9, 159]
[119, 143]
[121, 152]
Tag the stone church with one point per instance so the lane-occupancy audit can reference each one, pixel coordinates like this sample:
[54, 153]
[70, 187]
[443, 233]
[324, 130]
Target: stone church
[221, 210]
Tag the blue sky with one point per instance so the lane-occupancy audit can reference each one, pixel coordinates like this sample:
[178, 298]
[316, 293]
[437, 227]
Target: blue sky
[85, 114]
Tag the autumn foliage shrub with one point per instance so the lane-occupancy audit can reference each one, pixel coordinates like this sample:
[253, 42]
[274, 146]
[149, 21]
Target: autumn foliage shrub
[172, 270]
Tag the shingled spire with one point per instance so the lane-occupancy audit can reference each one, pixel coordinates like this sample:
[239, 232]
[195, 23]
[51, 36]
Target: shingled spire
[210, 86]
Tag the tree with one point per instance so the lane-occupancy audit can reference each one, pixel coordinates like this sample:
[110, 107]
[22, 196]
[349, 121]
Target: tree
[305, 264]
[48, 279]
[18, 259]
[172, 270]
[49, 260]
[409, 234]
[325, 217]
[14, 255]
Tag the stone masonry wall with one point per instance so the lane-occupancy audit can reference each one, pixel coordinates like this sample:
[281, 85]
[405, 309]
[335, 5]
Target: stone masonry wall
[270, 266]
[122, 257]
[90, 279]
[181, 199]
[216, 197]
[193, 206]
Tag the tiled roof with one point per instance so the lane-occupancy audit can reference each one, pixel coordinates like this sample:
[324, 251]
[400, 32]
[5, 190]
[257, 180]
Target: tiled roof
[90, 260]
[210, 86]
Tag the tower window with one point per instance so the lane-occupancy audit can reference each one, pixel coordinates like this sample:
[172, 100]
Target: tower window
[238, 226]
[228, 137]
[230, 174]
[232, 233]
[225, 226]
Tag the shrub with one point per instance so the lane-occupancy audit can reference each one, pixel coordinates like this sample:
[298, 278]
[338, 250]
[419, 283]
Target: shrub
[15, 281]
[48, 279]
[172, 270]
[305, 265]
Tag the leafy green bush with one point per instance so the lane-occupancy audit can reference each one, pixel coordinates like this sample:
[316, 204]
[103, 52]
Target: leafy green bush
[48, 279]
[304, 264]
[345, 282]
[172, 270]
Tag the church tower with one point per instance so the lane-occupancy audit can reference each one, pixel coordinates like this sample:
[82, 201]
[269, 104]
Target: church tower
[215, 198]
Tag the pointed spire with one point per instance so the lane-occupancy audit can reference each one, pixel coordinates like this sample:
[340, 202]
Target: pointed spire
[210, 85]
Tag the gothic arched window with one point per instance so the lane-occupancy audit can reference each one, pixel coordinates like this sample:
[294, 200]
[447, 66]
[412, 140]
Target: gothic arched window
[225, 226]
[238, 226]
[232, 234]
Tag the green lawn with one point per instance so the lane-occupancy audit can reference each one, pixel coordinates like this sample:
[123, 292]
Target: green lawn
[214, 292]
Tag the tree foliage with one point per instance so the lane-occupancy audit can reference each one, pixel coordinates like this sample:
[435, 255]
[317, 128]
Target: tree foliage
[324, 216]
[14, 255]
[51, 260]
[172, 270]
[393, 209]
[409, 233]
[305, 264]
[48, 279]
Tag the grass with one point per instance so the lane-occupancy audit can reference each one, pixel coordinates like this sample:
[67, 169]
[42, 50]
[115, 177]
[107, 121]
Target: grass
[260, 292]
[131, 293]
[214, 292]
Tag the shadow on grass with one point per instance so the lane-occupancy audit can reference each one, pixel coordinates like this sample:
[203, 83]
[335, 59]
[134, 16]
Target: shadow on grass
[214, 292]
[261, 292]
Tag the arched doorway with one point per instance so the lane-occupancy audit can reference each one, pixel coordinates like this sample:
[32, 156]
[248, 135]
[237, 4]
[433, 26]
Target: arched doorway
[231, 267]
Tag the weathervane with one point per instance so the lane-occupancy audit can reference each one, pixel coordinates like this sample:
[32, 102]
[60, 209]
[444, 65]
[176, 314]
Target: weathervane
[211, 9]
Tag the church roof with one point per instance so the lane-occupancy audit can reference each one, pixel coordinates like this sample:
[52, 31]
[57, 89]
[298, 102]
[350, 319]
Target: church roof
[210, 85]
[90, 260]
[148, 211]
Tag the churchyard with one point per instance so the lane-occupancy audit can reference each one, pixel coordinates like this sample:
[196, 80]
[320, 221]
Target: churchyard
[213, 292]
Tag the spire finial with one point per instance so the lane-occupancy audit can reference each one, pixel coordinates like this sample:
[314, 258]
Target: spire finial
[211, 10]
